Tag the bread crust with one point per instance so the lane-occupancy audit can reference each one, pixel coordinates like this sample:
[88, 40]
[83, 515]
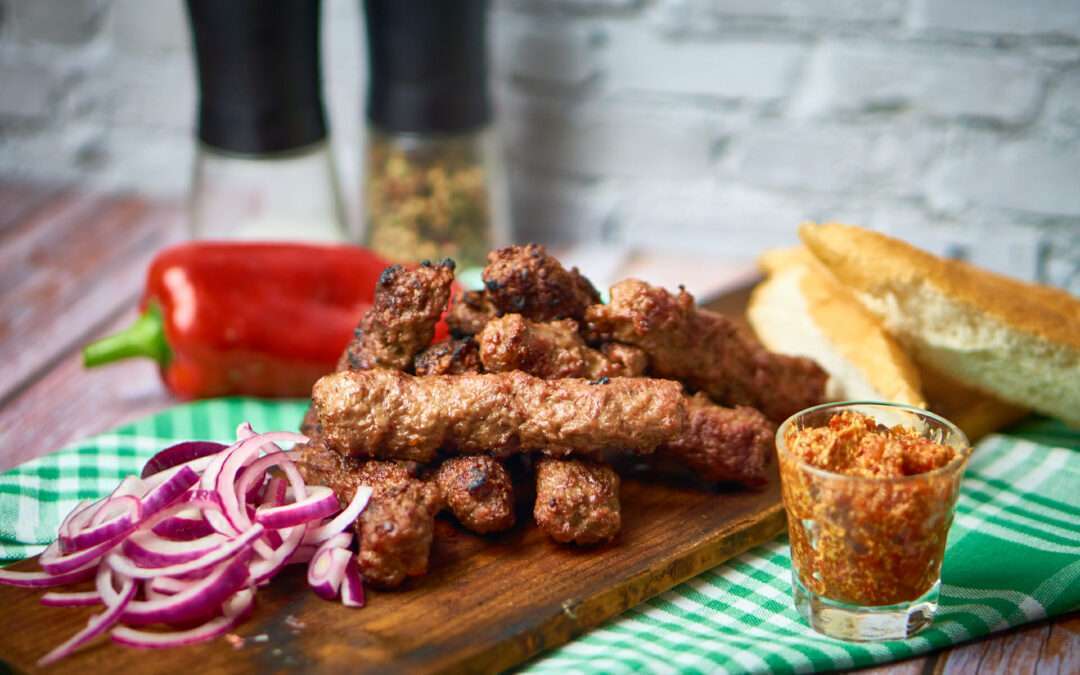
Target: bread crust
[1019, 342]
[870, 261]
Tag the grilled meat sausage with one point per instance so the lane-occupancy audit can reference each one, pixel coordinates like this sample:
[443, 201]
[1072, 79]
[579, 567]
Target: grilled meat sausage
[707, 351]
[386, 414]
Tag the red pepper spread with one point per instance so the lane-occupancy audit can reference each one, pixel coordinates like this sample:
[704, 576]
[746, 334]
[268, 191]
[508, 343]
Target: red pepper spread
[856, 445]
[873, 530]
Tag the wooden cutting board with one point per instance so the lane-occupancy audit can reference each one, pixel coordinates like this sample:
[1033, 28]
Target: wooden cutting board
[489, 603]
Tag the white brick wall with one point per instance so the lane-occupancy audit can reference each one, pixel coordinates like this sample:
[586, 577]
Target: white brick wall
[701, 125]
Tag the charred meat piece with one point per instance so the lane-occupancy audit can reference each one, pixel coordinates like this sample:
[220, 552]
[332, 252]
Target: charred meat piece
[724, 444]
[550, 350]
[478, 491]
[621, 360]
[556, 350]
[526, 280]
[720, 444]
[395, 529]
[577, 501]
[451, 357]
[390, 415]
[401, 323]
[469, 313]
[707, 351]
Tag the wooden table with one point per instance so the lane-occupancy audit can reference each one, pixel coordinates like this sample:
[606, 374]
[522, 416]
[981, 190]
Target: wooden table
[71, 269]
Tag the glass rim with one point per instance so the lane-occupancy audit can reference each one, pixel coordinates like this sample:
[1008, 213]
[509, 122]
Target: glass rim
[958, 462]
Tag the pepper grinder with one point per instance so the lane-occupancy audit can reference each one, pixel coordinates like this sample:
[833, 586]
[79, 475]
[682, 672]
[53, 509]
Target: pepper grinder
[263, 167]
[434, 185]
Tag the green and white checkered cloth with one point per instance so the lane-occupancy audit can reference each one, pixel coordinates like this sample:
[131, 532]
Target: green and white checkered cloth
[1013, 554]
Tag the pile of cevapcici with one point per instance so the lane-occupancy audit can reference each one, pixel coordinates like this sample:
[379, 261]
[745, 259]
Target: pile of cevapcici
[538, 389]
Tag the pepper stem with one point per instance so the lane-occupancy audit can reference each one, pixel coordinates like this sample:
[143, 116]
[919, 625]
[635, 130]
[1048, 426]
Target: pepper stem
[145, 337]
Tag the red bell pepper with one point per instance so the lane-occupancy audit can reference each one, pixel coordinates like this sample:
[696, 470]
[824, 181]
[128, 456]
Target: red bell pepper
[257, 319]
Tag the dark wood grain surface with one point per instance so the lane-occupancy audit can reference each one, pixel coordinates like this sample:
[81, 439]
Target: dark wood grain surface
[71, 266]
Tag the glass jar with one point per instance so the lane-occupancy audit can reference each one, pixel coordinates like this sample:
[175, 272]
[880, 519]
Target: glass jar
[866, 551]
[433, 196]
[291, 195]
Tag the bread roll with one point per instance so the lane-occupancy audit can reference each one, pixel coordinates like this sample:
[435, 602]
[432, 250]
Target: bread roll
[1017, 341]
[801, 310]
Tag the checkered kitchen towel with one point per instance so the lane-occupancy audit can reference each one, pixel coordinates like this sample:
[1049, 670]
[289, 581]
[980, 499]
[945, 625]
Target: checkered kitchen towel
[1013, 554]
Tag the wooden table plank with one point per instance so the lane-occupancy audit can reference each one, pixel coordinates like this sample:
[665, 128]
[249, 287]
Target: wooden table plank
[69, 403]
[80, 262]
[18, 200]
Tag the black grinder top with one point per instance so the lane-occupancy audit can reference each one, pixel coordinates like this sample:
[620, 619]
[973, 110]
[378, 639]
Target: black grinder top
[428, 65]
[260, 90]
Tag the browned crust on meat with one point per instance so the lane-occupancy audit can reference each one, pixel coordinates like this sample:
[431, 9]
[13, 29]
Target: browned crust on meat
[390, 415]
[396, 527]
[451, 357]
[724, 444]
[707, 351]
[401, 323]
[552, 350]
[526, 280]
[479, 492]
[577, 501]
[469, 313]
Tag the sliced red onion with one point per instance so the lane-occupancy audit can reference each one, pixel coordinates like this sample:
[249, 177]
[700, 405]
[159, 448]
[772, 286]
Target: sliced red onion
[242, 455]
[168, 492]
[274, 494]
[46, 579]
[352, 586]
[235, 610]
[320, 503]
[54, 563]
[267, 566]
[327, 570]
[194, 539]
[169, 585]
[122, 565]
[147, 550]
[198, 601]
[281, 459]
[180, 528]
[81, 518]
[71, 599]
[97, 625]
[343, 520]
[104, 525]
[180, 454]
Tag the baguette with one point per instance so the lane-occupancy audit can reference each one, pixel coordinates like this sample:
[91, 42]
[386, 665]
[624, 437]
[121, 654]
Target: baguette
[1016, 341]
[800, 310]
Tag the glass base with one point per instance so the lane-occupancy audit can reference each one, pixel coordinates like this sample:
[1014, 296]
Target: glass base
[859, 623]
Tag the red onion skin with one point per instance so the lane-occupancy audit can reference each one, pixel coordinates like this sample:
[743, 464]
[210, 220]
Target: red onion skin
[183, 529]
[168, 492]
[179, 454]
[318, 506]
[45, 579]
[81, 599]
[352, 586]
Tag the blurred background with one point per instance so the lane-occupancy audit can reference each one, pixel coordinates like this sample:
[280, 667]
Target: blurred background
[709, 127]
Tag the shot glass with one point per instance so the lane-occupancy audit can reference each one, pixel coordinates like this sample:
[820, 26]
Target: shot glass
[866, 553]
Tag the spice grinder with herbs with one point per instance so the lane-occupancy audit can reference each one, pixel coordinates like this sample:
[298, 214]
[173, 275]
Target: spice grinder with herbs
[434, 186]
